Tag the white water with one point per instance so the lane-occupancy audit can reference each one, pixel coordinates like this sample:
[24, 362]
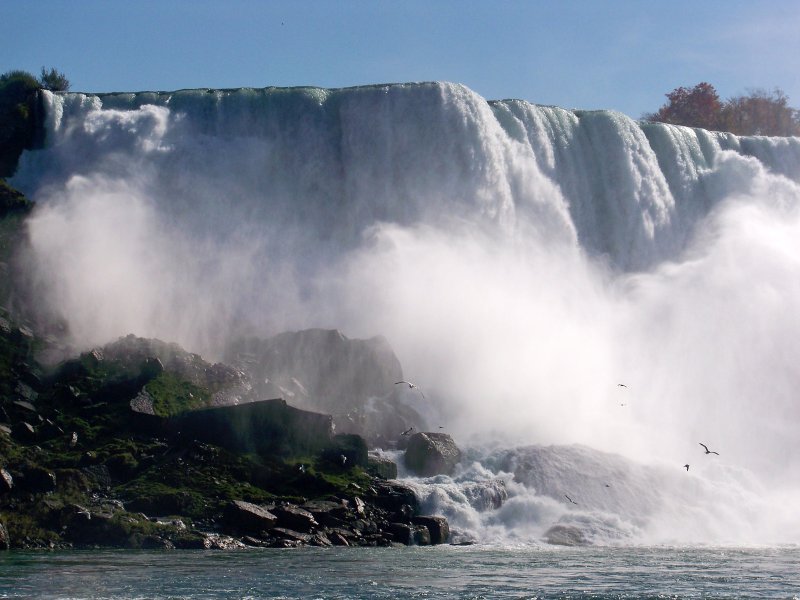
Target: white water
[521, 260]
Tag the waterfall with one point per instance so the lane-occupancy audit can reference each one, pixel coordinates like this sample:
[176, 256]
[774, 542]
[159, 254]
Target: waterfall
[522, 260]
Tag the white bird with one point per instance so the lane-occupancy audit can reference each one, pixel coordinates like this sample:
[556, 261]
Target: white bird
[302, 468]
[707, 450]
[411, 386]
[344, 459]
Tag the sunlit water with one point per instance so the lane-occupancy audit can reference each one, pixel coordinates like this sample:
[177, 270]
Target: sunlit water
[432, 572]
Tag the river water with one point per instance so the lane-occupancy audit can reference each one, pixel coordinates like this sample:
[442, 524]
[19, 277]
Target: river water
[416, 572]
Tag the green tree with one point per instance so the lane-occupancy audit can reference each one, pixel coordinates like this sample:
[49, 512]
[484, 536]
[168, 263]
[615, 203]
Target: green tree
[18, 102]
[54, 80]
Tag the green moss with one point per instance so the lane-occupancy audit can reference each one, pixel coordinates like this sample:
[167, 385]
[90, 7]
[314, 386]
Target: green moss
[173, 395]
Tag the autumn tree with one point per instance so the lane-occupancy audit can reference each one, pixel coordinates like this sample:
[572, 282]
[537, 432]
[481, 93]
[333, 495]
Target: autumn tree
[761, 113]
[699, 106]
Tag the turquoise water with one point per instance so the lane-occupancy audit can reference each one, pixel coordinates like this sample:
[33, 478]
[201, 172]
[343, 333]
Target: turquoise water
[433, 572]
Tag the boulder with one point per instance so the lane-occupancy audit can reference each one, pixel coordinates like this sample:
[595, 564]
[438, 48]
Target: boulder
[431, 454]
[266, 427]
[245, 517]
[565, 535]
[295, 518]
[5, 541]
[438, 528]
[486, 495]
[6, 481]
[379, 466]
[393, 496]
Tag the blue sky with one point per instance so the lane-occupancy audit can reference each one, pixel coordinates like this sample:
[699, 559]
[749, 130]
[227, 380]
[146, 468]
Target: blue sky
[614, 54]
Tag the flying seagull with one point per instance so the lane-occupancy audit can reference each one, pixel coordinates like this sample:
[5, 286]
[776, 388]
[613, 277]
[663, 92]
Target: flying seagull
[707, 450]
[687, 467]
[407, 431]
[302, 468]
[621, 385]
[411, 386]
[570, 499]
[344, 459]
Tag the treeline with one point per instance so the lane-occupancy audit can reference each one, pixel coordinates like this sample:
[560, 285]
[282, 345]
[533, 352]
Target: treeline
[19, 105]
[760, 112]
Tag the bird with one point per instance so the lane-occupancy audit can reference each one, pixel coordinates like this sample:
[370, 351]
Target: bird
[608, 485]
[407, 431]
[411, 386]
[687, 467]
[570, 499]
[344, 459]
[621, 385]
[302, 468]
[707, 450]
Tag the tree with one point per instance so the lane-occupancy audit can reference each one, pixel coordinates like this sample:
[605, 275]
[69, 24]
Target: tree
[18, 102]
[54, 80]
[757, 113]
[699, 106]
[761, 113]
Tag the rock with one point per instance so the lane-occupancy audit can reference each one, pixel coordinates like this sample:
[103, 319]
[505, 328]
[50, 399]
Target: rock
[23, 432]
[486, 495]
[294, 517]
[266, 427]
[350, 446]
[379, 466]
[5, 540]
[565, 535]
[337, 539]
[36, 479]
[437, 526]
[410, 535]
[326, 512]
[245, 517]
[288, 534]
[6, 481]
[392, 496]
[431, 454]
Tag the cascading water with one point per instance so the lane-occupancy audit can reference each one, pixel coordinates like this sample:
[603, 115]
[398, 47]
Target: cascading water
[522, 261]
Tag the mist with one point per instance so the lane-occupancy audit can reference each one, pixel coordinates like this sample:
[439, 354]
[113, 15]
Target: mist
[522, 261]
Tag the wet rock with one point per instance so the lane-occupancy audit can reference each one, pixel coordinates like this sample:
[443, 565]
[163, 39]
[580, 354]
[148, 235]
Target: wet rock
[486, 495]
[325, 512]
[245, 517]
[438, 528]
[379, 466]
[5, 540]
[282, 533]
[565, 535]
[294, 517]
[392, 496]
[337, 539]
[6, 481]
[431, 454]
[347, 450]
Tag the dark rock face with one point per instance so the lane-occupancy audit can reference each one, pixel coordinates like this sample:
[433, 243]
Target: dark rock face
[295, 518]
[431, 454]
[5, 541]
[437, 526]
[6, 481]
[322, 370]
[266, 427]
[244, 517]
